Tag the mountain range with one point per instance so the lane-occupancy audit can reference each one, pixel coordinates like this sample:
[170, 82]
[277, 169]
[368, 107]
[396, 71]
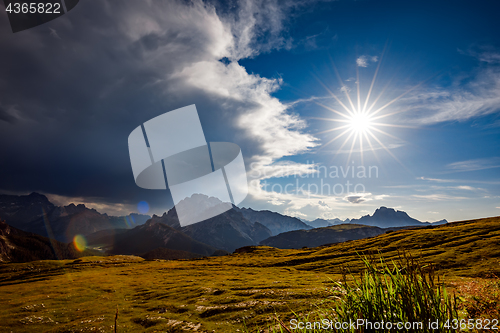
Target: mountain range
[163, 235]
[35, 213]
[320, 223]
[227, 231]
[383, 217]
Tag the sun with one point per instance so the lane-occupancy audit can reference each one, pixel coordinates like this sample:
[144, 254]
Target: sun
[359, 119]
[360, 123]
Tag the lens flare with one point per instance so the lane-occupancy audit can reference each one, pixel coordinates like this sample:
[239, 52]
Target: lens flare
[80, 243]
[129, 221]
[143, 207]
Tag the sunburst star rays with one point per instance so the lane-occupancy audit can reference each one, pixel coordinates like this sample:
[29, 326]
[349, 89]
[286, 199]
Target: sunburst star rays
[359, 119]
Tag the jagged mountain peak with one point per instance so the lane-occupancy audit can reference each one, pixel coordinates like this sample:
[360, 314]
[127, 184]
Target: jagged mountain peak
[385, 217]
[169, 219]
[390, 212]
[38, 196]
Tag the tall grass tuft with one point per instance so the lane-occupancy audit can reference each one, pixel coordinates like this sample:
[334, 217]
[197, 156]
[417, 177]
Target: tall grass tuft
[403, 292]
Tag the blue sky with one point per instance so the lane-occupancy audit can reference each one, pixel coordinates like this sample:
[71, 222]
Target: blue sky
[263, 74]
[449, 159]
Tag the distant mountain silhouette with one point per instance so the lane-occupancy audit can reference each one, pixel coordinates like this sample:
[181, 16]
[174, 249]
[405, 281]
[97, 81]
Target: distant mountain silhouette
[443, 221]
[322, 236]
[35, 213]
[385, 217]
[275, 222]
[20, 246]
[320, 223]
[131, 220]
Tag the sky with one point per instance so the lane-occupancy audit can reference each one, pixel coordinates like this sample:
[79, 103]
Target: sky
[339, 107]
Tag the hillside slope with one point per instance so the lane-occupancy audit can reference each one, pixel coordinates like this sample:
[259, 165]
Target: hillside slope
[214, 294]
[470, 248]
[321, 236]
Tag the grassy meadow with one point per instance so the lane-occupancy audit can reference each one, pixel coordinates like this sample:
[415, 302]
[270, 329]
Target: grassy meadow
[241, 292]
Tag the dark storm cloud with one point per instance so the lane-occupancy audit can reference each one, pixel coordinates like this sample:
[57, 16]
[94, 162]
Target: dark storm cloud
[113, 66]
[80, 96]
[6, 116]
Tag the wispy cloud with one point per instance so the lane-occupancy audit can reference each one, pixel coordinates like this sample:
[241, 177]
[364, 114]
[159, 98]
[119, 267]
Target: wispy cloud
[53, 32]
[374, 147]
[438, 180]
[260, 26]
[484, 53]
[308, 100]
[438, 197]
[478, 97]
[8, 115]
[364, 60]
[467, 188]
[474, 165]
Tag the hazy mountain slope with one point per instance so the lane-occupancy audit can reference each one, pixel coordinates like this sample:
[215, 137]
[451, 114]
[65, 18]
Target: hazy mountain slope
[20, 246]
[321, 223]
[228, 231]
[151, 236]
[275, 222]
[321, 236]
[318, 223]
[128, 221]
[104, 238]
